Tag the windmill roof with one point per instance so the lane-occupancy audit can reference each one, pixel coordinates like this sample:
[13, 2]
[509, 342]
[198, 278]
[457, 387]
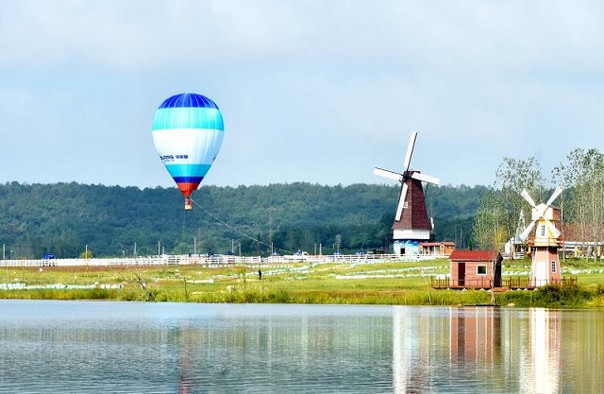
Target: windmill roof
[415, 216]
[473, 255]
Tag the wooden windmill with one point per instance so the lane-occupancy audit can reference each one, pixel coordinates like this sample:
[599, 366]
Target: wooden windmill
[411, 222]
[545, 267]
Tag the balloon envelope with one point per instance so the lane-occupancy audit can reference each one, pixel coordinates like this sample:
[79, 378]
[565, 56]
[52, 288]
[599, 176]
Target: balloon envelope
[187, 133]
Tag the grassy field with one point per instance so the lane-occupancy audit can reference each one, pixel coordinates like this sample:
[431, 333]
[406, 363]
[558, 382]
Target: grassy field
[357, 283]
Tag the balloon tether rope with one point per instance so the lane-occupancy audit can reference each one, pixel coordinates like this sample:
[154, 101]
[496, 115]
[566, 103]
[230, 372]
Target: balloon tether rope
[231, 227]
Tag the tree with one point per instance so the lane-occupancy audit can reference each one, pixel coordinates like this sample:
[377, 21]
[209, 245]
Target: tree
[488, 225]
[86, 254]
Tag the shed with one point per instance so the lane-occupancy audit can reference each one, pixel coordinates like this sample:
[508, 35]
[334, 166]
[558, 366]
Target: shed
[436, 248]
[475, 269]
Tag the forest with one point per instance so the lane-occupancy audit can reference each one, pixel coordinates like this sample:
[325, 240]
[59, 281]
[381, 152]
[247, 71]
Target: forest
[71, 219]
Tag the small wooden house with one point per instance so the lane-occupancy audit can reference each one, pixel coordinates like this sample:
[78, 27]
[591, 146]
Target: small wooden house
[475, 269]
[436, 248]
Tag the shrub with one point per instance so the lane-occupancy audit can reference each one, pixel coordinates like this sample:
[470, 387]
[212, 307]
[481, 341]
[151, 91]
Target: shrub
[565, 295]
[549, 296]
[281, 296]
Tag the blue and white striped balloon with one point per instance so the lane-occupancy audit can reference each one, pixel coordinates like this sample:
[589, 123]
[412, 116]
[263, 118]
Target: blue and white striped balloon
[187, 132]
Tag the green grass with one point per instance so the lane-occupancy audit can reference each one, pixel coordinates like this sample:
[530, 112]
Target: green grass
[375, 283]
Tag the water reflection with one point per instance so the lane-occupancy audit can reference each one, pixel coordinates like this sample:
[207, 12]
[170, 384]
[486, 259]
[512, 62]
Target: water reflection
[475, 335]
[485, 349]
[277, 354]
[165, 348]
[542, 371]
[447, 349]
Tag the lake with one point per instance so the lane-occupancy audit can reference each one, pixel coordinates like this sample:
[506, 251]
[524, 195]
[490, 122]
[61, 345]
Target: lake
[92, 347]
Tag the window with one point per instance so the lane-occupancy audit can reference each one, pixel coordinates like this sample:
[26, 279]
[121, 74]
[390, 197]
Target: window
[481, 269]
[553, 266]
[543, 230]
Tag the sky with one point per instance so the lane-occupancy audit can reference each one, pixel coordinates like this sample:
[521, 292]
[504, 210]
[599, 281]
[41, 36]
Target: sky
[312, 91]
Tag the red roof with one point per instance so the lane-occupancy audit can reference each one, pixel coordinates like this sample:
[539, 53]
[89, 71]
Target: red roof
[473, 255]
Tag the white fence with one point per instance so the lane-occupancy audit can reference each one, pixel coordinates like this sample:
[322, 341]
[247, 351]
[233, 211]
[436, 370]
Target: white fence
[217, 260]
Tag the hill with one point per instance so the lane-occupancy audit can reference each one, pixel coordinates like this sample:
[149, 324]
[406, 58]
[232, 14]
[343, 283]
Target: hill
[67, 218]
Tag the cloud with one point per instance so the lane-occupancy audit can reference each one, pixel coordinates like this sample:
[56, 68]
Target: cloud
[310, 90]
[142, 34]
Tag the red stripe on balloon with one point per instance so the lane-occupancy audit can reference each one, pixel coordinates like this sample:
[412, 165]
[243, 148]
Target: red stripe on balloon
[187, 187]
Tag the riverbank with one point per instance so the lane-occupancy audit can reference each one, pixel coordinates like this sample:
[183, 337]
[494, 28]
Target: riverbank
[324, 283]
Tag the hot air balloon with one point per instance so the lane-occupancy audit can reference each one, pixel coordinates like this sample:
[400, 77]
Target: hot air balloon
[187, 133]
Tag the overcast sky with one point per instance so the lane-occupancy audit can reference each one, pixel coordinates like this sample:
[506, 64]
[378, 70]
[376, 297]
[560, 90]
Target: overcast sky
[315, 91]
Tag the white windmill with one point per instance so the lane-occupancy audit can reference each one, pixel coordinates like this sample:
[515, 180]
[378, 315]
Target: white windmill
[545, 267]
[411, 222]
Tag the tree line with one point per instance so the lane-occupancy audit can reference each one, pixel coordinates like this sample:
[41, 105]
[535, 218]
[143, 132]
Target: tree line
[67, 219]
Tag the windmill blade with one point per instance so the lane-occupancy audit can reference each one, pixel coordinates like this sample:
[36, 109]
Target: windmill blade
[528, 198]
[410, 148]
[388, 174]
[552, 228]
[401, 202]
[554, 196]
[425, 178]
[527, 230]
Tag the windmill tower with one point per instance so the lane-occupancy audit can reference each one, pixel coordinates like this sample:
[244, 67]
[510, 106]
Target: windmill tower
[545, 267]
[411, 222]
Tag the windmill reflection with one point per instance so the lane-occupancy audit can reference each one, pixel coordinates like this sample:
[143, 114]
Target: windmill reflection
[541, 375]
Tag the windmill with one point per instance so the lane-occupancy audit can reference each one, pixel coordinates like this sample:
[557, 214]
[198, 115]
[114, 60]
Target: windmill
[411, 222]
[545, 266]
